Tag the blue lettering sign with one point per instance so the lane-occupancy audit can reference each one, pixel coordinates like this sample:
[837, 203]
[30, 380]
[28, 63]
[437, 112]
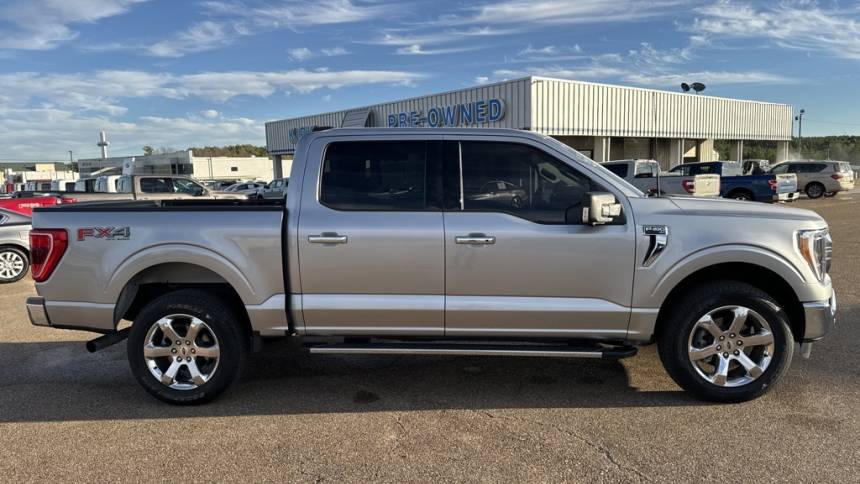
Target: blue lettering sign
[450, 116]
[433, 117]
[465, 114]
[296, 134]
[497, 109]
[480, 111]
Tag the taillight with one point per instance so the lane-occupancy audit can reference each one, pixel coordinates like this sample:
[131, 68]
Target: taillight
[689, 186]
[773, 184]
[836, 176]
[47, 247]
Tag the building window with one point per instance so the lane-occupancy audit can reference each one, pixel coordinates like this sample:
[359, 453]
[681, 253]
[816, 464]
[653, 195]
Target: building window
[234, 168]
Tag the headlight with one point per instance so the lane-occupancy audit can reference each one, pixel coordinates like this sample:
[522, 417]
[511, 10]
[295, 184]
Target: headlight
[816, 248]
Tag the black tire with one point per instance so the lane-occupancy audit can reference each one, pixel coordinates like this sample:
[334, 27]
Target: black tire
[674, 338]
[814, 190]
[14, 254]
[741, 195]
[224, 323]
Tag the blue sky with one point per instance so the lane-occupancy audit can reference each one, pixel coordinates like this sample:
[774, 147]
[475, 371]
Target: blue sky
[179, 73]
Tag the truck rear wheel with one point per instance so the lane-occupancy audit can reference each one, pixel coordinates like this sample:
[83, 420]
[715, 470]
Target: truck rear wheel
[726, 341]
[186, 347]
[743, 195]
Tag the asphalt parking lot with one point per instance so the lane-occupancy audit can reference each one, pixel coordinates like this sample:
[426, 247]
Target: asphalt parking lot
[69, 415]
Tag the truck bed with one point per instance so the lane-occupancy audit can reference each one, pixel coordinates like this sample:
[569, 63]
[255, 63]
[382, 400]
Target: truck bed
[230, 242]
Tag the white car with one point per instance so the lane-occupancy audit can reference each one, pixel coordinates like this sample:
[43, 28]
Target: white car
[246, 188]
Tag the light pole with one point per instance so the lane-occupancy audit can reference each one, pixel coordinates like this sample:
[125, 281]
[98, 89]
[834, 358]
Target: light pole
[799, 119]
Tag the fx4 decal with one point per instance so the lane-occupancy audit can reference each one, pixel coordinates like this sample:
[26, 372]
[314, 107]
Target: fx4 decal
[107, 233]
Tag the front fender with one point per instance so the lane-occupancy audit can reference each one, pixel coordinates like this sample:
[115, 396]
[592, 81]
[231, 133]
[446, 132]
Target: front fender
[724, 254]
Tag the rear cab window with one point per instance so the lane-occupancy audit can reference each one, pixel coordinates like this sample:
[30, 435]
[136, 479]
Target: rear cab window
[376, 176]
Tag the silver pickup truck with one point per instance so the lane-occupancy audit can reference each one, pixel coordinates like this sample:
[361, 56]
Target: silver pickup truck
[439, 242]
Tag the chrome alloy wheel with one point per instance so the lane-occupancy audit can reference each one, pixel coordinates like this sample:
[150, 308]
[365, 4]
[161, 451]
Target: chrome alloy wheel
[11, 265]
[181, 351]
[731, 346]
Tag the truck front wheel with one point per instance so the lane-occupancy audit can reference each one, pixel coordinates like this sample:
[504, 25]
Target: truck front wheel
[186, 347]
[726, 341]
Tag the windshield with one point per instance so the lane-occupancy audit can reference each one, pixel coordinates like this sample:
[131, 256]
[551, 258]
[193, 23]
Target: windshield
[619, 182]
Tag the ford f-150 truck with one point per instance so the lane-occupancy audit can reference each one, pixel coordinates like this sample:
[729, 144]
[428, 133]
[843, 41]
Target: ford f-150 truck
[646, 175]
[734, 184]
[390, 241]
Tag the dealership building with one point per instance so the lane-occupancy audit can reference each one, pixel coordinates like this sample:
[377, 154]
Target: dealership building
[604, 122]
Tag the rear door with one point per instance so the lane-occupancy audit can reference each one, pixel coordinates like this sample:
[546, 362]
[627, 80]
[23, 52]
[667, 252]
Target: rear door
[370, 238]
[523, 263]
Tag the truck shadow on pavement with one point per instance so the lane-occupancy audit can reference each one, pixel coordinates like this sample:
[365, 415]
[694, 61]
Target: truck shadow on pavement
[60, 381]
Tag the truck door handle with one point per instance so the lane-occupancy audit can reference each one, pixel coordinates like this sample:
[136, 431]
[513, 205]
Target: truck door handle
[327, 239]
[475, 239]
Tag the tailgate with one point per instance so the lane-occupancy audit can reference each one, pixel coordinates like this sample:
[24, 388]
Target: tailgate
[786, 183]
[706, 186]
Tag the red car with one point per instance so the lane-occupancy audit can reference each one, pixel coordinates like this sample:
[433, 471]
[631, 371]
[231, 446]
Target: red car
[26, 205]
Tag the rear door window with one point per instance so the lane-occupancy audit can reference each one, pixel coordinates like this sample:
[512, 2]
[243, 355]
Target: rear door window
[375, 176]
[156, 185]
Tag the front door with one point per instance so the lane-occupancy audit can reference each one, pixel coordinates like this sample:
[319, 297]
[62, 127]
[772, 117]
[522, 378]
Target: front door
[371, 251]
[519, 261]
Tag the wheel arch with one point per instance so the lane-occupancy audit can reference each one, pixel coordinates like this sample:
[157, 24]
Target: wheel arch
[745, 191]
[754, 274]
[160, 279]
[20, 247]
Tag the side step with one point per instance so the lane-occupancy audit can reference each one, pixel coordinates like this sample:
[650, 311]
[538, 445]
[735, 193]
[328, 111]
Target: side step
[455, 349]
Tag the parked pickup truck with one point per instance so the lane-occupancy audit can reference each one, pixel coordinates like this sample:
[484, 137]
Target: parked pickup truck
[645, 174]
[152, 187]
[734, 184]
[408, 241]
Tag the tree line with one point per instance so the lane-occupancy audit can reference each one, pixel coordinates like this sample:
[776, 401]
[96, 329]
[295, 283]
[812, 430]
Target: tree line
[839, 148]
[230, 150]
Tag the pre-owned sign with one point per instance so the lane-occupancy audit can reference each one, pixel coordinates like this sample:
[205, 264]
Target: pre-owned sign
[466, 114]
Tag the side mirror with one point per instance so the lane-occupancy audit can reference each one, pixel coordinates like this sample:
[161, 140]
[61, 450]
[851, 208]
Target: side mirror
[600, 208]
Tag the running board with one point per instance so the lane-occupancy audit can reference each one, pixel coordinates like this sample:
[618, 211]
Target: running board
[551, 351]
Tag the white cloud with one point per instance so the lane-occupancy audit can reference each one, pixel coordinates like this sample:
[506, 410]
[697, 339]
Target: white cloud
[802, 25]
[482, 80]
[209, 113]
[234, 19]
[416, 49]
[99, 91]
[549, 53]
[396, 38]
[44, 24]
[45, 132]
[300, 53]
[646, 66]
[331, 52]
[201, 36]
[303, 53]
[561, 12]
